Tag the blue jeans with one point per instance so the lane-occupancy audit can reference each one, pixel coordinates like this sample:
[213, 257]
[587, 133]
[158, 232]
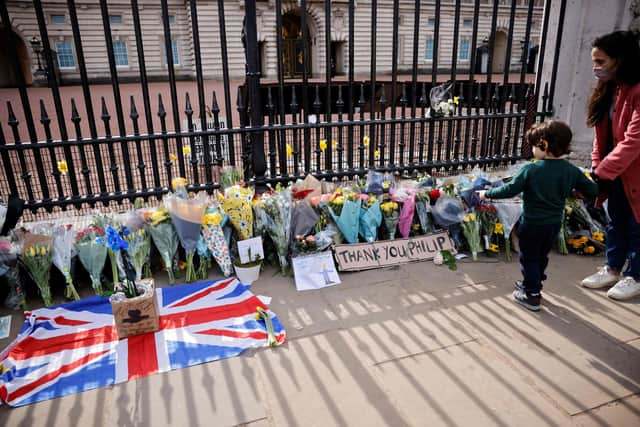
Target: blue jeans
[623, 233]
[535, 243]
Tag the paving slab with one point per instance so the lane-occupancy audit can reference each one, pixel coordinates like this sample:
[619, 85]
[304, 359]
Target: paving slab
[465, 385]
[320, 381]
[578, 367]
[92, 407]
[623, 412]
[227, 391]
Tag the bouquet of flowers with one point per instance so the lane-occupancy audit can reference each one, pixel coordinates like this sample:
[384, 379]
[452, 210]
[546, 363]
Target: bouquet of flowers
[422, 211]
[36, 258]
[213, 233]
[92, 254]
[305, 244]
[488, 220]
[407, 197]
[236, 203]
[8, 267]
[345, 211]
[508, 213]
[471, 231]
[139, 250]
[114, 242]
[274, 209]
[303, 217]
[164, 237]
[186, 214]
[391, 214]
[370, 218]
[203, 256]
[63, 251]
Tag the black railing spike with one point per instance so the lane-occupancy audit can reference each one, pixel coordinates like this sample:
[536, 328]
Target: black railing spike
[478, 97]
[403, 98]
[340, 101]
[270, 105]
[545, 93]
[105, 113]
[240, 101]
[316, 103]
[134, 112]
[361, 100]
[294, 102]
[12, 117]
[161, 111]
[75, 117]
[215, 109]
[423, 96]
[187, 109]
[512, 93]
[44, 117]
[461, 95]
[383, 98]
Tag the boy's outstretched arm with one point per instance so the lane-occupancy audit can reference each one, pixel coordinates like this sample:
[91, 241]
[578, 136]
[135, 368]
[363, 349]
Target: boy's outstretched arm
[511, 189]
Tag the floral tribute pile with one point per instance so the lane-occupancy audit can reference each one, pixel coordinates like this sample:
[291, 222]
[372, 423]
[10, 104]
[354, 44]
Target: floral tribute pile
[197, 233]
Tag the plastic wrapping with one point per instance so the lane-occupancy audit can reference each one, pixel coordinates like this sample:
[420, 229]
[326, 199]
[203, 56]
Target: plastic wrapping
[370, 220]
[447, 211]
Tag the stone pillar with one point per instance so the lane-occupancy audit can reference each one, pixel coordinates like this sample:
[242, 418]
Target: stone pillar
[584, 21]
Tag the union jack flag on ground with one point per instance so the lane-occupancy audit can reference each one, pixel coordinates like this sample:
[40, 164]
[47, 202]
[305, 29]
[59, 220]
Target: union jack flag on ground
[75, 347]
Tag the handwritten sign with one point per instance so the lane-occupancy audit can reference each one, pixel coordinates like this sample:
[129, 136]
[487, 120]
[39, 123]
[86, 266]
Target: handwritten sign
[315, 271]
[254, 245]
[364, 256]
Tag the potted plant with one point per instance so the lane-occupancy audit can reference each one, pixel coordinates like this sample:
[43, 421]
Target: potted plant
[133, 303]
[248, 272]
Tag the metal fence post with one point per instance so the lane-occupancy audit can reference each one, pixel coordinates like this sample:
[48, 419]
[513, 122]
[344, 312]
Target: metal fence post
[258, 162]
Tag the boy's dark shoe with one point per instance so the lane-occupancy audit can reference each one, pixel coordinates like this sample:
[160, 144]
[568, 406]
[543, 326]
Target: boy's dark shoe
[529, 301]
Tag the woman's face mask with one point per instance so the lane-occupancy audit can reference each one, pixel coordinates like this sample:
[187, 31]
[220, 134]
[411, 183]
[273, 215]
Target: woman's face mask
[604, 67]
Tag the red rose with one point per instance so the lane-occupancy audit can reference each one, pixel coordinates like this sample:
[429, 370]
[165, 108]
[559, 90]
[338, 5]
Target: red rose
[434, 194]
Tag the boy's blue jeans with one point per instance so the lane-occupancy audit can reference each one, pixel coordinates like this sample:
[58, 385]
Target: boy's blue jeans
[535, 243]
[623, 233]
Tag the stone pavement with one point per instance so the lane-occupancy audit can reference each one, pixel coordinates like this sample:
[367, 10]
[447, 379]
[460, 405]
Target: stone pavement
[414, 345]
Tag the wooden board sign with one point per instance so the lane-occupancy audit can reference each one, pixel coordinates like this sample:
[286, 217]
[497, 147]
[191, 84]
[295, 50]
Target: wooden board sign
[364, 256]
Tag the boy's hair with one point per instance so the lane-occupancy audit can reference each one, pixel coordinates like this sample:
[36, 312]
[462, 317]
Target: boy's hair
[557, 134]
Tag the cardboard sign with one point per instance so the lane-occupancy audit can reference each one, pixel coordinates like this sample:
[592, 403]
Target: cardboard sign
[364, 256]
[315, 271]
[255, 244]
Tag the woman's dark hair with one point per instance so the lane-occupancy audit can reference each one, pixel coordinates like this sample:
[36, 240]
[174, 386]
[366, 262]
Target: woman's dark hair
[624, 48]
[557, 134]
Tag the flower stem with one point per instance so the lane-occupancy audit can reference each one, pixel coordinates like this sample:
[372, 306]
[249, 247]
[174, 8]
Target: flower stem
[191, 274]
[114, 268]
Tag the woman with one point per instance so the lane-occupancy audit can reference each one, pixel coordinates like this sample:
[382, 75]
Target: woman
[614, 111]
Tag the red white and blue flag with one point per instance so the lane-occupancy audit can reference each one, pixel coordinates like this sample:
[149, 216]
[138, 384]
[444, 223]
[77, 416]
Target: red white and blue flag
[74, 347]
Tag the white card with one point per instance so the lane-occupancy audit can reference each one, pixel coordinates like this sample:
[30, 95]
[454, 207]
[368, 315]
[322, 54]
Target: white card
[5, 326]
[315, 271]
[255, 244]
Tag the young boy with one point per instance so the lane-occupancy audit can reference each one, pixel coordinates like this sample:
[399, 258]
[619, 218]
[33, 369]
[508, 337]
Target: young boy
[544, 184]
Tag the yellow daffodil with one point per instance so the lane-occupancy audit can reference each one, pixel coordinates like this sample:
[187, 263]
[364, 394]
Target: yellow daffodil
[568, 210]
[386, 185]
[598, 236]
[290, 150]
[589, 250]
[158, 216]
[323, 145]
[186, 150]
[334, 143]
[212, 219]
[63, 168]
[173, 157]
[415, 227]
[456, 100]
[470, 217]
[493, 247]
[499, 228]
[178, 182]
[338, 200]
[365, 141]
[376, 154]
[141, 232]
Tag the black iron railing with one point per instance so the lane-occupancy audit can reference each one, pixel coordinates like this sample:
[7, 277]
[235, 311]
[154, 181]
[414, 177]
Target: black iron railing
[332, 128]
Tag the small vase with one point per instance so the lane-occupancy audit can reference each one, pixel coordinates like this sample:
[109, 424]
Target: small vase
[248, 275]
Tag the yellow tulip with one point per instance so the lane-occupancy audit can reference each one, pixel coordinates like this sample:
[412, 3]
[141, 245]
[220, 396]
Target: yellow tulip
[43, 251]
[32, 251]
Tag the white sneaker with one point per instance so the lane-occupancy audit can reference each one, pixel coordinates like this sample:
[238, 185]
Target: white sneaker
[626, 288]
[603, 278]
